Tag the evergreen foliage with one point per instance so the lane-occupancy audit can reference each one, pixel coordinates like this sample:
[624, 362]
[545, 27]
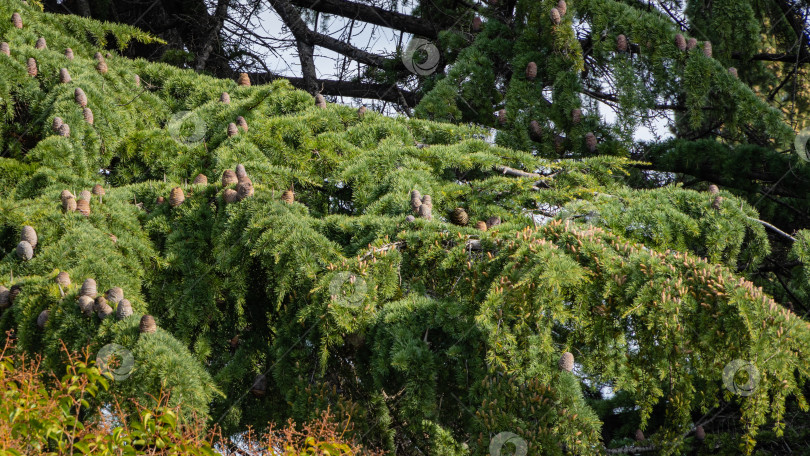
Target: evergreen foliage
[432, 337]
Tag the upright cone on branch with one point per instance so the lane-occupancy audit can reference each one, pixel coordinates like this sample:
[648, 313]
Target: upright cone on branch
[680, 42]
[733, 71]
[32, 67]
[232, 130]
[427, 200]
[102, 308]
[63, 279]
[114, 294]
[590, 141]
[69, 204]
[57, 122]
[200, 179]
[137, 80]
[556, 18]
[244, 189]
[562, 7]
[426, 212]
[493, 221]
[98, 57]
[176, 197]
[5, 49]
[148, 325]
[83, 206]
[481, 225]
[123, 309]
[621, 43]
[416, 200]
[65, 193]
[230, 195]
[102, 67]
[85, 195]
[320, 101]
[713, 189]
[85, 304]
[566, 362]
[717, 203]
[288, 196]
[476, 25]
[531, 71]
[700, 433]
[98, 190]
[639, 435]
[225, 98]
[89, 288]
[41, 43]
[229, 178]
[240, 171]
[80, 97]
[69, 53]
[691, 43]
[242, 123]
[244, 80]
[361, 112]
[576, 116]
[460, 216]
[88, 115]
[64, 76]
[29, 235]
[707, 49]
[16, 20]
[535, 130]
[64, 130]
[24, 251]
[42, 319]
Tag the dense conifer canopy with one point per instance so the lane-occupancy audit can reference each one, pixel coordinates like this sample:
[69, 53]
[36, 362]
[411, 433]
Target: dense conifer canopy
[316, 265]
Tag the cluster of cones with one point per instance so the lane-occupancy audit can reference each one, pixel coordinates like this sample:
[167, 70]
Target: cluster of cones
[28, 242]
[82, 203]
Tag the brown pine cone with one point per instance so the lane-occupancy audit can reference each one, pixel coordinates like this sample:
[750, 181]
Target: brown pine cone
[229, 178]
[32, 67]
[531, 71]
[201, 179]
[83, 206]
[244, 80]
[176, 197]
[566, 362]
[64, 76]
[89, 288]
[148, 324]
[288, 196]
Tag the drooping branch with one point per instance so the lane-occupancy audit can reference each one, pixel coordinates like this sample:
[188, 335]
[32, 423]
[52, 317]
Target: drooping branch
[373, 15]
[349, 89]
[301, 31]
